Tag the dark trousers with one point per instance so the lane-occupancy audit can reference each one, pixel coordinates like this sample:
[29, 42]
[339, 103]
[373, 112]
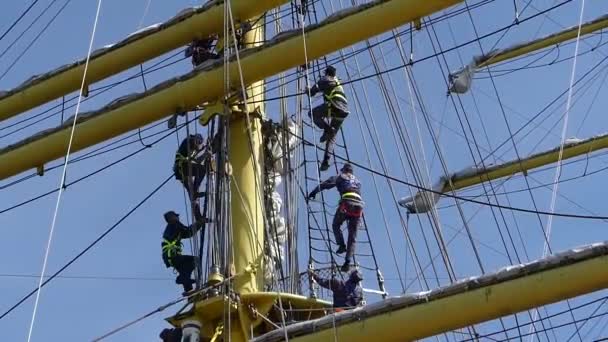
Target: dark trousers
[184, 265]
[185, 172]
[353, 226]
[319, 115]
[171, 335]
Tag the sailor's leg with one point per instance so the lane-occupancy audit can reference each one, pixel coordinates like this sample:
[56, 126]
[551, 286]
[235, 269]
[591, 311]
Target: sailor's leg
[184, 265]
[339, 218]
[353, 227]
[198, 171]
[319, 113]
[329, 151]
[337, 121]
[186, 179]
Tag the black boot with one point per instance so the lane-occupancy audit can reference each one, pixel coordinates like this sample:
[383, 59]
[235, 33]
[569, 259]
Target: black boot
[341, 249]
[345, 267]
[328, 133]
[324, 165]
[188, 285]
[172, 122]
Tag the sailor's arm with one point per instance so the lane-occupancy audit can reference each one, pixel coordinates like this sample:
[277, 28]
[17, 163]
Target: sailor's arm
[327, 184]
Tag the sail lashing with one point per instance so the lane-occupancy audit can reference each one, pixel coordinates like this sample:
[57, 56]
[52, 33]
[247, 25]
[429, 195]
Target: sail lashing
[424, 200]
[276, 164]
[462, 79]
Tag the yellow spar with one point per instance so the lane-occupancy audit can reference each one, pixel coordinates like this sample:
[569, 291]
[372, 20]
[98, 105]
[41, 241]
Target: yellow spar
[536, 160]
[461, 80]
[346, 28]
[130, 52]
[423, 200]
[498, 56]
[417, 316]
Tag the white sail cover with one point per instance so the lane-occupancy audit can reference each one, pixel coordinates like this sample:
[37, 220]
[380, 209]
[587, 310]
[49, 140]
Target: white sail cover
[424, 200]
[277, 235]
[461, 80]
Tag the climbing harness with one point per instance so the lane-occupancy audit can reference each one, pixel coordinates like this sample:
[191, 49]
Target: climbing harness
[336, 93]
[172, 248]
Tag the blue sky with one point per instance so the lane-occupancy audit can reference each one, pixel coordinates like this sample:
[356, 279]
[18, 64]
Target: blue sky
[76, 309]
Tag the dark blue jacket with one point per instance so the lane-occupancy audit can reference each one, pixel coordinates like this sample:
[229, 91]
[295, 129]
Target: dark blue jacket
[346, 293]
[172, 236]
[345, 183]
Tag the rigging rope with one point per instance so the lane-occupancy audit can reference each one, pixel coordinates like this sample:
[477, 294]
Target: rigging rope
[162, 308]
[27, 28]
[85, 250]
[548, 230]
[18, 19]
[105, 233]
[462, 198]
[558, 169]
[35, 39]
[62, 182]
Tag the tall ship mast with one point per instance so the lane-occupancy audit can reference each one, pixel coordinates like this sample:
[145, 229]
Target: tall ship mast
[329, 171]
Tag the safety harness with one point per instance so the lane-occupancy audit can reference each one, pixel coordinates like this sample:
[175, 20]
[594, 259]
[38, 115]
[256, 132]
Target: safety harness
[172, 248]
[337, 92]
[351, 204]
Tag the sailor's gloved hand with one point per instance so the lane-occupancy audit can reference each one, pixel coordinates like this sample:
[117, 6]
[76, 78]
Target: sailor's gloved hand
[304, 66]
[311, 196]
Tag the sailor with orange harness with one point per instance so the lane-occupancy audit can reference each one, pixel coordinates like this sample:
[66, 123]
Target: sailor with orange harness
[334, 109]
[349, 209]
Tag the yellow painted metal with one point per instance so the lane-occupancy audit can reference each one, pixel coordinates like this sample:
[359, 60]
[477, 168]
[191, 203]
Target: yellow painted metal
[463, 309]
[246, 158]
[247, 218]
[541, 43]
[211, 311]
[131, 54]
[534, 161]
[207, 84]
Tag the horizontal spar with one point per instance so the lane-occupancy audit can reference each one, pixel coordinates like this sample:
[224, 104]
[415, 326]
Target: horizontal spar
[207, 83]
[470, 301]
[139, 47]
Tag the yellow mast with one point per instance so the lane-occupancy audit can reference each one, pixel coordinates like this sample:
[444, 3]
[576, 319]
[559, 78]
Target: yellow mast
[246, 159]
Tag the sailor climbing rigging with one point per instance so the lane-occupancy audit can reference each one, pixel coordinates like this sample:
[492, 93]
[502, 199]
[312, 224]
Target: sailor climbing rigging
[189, 167]
[200, 50]
[350, 209]
[334, 109]
[346, 294]
[172, 247]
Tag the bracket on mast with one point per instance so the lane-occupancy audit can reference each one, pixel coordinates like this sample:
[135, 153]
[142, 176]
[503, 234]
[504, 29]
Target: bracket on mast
[219, 108]
[417, 24]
